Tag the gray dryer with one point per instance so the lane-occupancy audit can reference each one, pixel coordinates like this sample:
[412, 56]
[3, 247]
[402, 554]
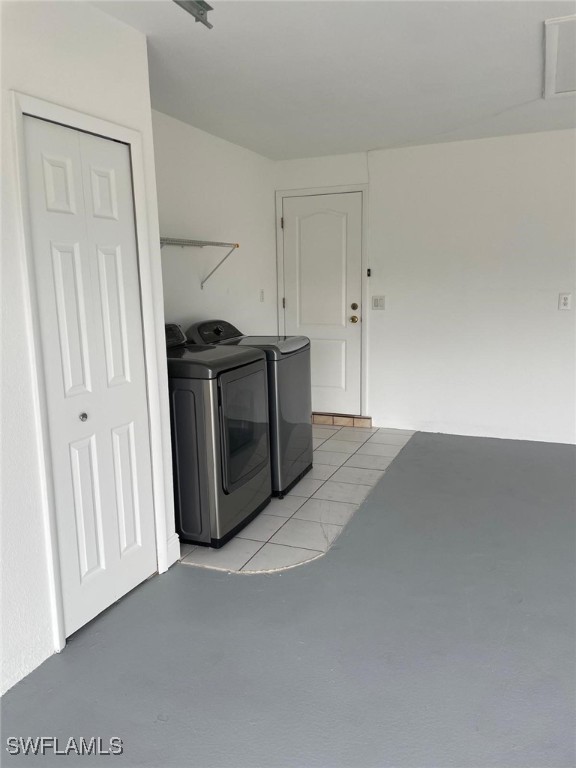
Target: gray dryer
[290, 396]
[220, 437]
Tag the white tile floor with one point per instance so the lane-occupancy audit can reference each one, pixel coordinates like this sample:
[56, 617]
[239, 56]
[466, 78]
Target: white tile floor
[348, 462]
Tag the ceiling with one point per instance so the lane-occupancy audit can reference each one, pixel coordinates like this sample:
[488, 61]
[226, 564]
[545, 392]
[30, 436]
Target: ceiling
[301, 79]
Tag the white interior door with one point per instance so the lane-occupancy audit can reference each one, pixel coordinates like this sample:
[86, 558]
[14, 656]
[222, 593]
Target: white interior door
[86, 264]
[323, 292]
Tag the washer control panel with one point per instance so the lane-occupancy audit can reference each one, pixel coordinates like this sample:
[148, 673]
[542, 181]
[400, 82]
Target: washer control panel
[211, 332]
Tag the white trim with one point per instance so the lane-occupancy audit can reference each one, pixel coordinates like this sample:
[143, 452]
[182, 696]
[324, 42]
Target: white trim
[280, 314]
[337, 190]
[40, 410]
[154, 351]
[173, 548]
[551, 33]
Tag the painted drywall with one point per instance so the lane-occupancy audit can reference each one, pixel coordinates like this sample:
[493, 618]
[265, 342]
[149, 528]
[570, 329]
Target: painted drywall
[209, 189]
[333, 171]
[74, 55]
[471, 243]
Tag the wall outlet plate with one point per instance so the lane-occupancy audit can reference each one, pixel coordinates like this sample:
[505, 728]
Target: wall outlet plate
[564, 301]
[378, 302]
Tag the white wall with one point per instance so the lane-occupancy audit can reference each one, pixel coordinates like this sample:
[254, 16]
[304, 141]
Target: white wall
[330, 171]
[210, 189]
[470, 242]
[74, 55]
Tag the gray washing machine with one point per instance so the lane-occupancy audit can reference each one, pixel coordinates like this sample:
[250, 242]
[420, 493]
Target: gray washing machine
[290, 392]
[220, 437]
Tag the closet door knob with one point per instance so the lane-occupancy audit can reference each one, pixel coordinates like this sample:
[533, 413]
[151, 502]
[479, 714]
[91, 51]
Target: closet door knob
[83, 416]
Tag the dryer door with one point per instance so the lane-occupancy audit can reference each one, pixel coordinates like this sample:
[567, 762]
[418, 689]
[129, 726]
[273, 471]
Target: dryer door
[243, 396]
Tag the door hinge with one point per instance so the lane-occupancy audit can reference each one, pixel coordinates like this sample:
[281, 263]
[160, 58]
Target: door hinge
[282, 222]
[283, 303]
[368, 273]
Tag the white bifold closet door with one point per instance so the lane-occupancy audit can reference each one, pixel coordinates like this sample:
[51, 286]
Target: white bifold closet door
[88, 293]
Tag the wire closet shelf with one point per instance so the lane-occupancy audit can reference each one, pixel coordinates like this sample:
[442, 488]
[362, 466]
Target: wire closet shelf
[184, 243]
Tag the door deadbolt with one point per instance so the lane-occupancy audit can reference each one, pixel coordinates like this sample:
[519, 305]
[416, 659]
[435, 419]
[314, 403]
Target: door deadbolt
[83, 416]
[354, 306]
[354, 319]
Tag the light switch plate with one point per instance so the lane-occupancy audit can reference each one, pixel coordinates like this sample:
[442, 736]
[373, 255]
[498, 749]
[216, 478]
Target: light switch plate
[378, 302]
[564, 301]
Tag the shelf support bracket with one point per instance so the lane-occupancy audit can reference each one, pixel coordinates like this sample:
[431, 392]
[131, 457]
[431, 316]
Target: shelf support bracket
[209, 275]
[201, 244]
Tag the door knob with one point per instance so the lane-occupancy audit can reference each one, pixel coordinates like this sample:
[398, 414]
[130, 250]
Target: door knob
[354, 319]
[354, 306]
[83, 416]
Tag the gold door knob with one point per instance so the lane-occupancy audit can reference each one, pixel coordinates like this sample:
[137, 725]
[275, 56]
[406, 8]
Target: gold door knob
[354, 319]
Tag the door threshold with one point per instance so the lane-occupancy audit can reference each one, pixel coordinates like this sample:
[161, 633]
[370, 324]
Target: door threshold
[341, 420]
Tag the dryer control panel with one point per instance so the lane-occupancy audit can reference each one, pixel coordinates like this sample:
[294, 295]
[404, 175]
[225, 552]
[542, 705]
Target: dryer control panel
[175, 336]
[211, 332]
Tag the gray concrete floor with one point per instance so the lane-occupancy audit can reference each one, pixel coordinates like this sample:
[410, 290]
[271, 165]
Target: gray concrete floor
[438, 631]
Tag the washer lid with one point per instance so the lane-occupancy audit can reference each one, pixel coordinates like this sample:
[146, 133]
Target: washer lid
[275, 347]
[195, 361]
[222, 332]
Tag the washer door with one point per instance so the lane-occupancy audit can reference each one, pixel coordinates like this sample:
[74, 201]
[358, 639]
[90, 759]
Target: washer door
[243, 396]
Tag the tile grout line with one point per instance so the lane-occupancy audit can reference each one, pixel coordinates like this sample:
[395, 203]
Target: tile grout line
[285, 521]
[282, 526]
[345, 482]
[300, 507]
[268, 541]
[308, 498]
[250, 558]
[275, 532]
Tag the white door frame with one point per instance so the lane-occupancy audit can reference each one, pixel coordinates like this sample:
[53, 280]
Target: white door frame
[363, 189]
[154, 352]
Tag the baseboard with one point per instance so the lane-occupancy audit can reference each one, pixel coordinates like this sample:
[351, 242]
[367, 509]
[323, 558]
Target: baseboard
[173, 549]
[341, 420]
